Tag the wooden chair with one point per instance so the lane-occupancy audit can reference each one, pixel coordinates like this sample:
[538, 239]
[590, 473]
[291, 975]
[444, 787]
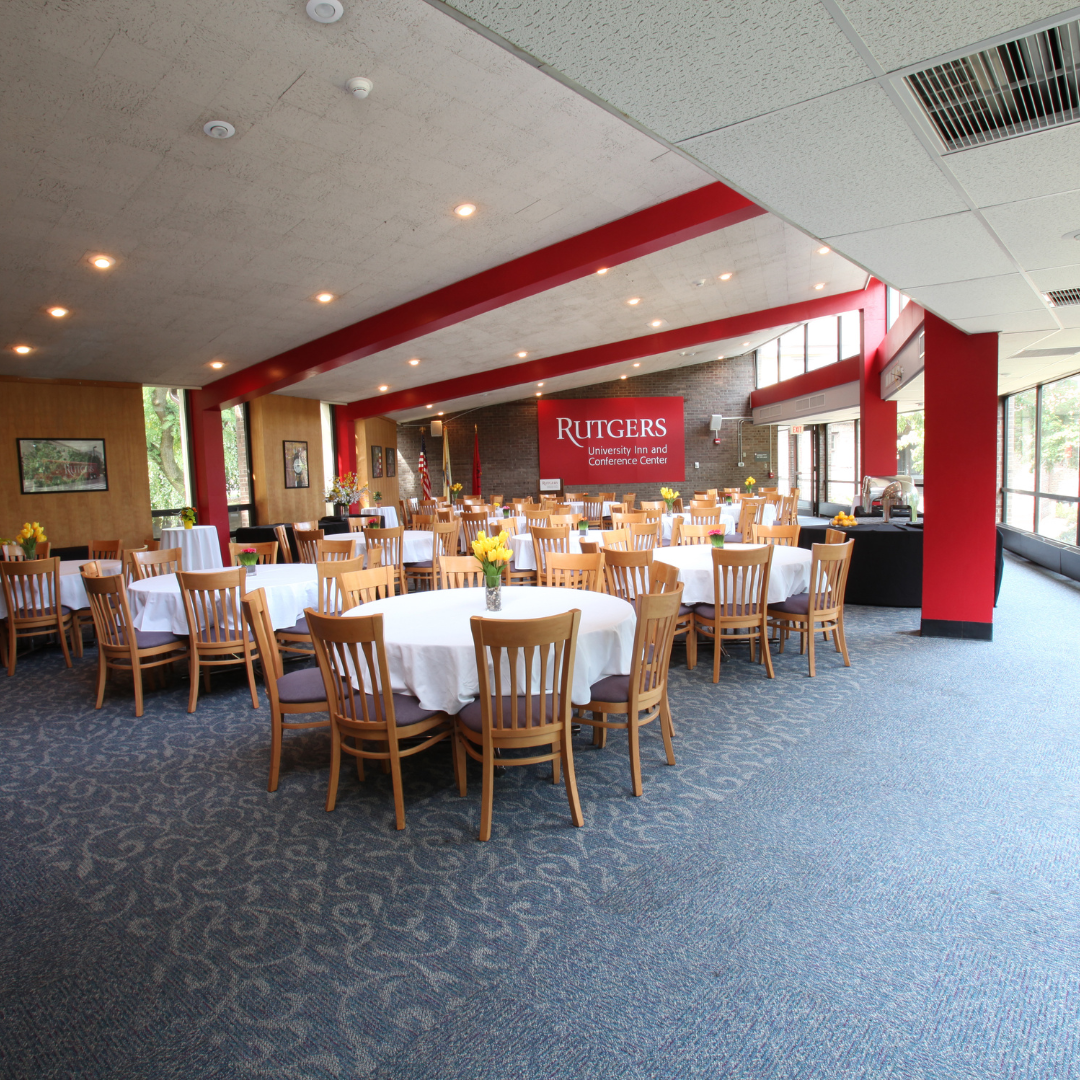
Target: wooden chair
[298, 693]
[282, 534]
[768, 490]
[653, 506]
[444, 541]
[644, 535]
[105, 549]
[217, 632]
[740, 588]
[331, 597]
[148, 564]
[306, 539]
[615, 539]
[128, 568]
[120, 646]
[619, 519]
[334, 550]
[628, 501]
[663, 577]
[14, 553]
[32, 594]
[785, 512]
[422, 522]
[641, 697]
[676, 530]
[150, 545]
[562, 519]
[694, 534]
[822, 608]
[702, 504]
[464, 572]
[472, 524]
[606, 496]
[784, 535]
[574, 571]
[445, 513]
[593, 509]
[704, 517]
[627, 573]
[750, 513]
[526, 671]
[363, 709]
[363, 586]
[538, 518]
[428, 507]
[544, 540]
[386, 547]
[267, 552]
[836, 536]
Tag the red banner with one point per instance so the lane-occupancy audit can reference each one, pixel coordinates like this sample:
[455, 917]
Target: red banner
[590, 441]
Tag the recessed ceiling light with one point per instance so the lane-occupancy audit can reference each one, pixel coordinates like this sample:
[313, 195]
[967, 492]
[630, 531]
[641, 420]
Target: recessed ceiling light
[465, 209]
[720, 357]
[522, 354]
[539, 394]
[325, 11]
[22, 350]
[726, 277]
[428, 406]
[413, 362]
[539, 384]
[58, 312]
[823, 250]
[622, 376]
[217, 365]
[219, 129]
[819, 286]
[657, 322]
[634, 301]
[602, 271]
[102, 262]
[383, 389]
[745, 343]
[637, 365]
[324, 297]
[442, 414]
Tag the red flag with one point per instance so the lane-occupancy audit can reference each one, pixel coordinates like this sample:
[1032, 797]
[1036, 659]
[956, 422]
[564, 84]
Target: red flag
[425, 476]
[477, 488]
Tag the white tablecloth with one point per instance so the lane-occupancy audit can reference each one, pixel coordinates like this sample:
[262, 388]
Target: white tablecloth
[415, 544]
[790, 570]
[524, 556]
[156, 603]
[387, 513]
[729, 515]
[579, 507]
[199, 547]
[429, 645]
[72, 590]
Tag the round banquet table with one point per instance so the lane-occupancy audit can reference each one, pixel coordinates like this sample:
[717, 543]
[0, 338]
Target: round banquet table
[415, 545]
[429, 644]
[72, 589]
[199, 546]
[524, 556]
[886, 562]
[387, 513]
[790, 571]
[156, 603]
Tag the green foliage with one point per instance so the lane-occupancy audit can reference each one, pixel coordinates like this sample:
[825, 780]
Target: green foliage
[910, 436]
[1059, 435]
[164, 447]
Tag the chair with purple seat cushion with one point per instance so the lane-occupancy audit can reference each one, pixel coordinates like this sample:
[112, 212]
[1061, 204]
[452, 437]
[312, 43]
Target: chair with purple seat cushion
[642, 695]
[740, 588]
[820, 609]
[32, 593]
[121, 647]
[663, 578]
[364, 714]
[298, 692]
[525, 669]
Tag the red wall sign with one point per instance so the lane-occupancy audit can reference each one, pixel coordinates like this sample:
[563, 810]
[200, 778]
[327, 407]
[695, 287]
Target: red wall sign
[590, 441]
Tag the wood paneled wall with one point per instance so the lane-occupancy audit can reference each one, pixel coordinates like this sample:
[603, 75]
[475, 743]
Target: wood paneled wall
[77, 409]
[377, 431]
[275, 418]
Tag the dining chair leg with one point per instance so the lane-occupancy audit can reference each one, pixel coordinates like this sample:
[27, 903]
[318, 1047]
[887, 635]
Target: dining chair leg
[275, 751]
[460, 763]
[136, 678]
[634, 740]
[487, 792]
[556, 769]
[599, 734]
[399, 791]
[571, 780]
[193, 678]
[691, 645]
[763, 644]
[667, 729]
[76, 636]
[251, 679]
[841, 638]
[64, 638]
[717, 653]
[103, 674]
[335, 767]
[810, 646]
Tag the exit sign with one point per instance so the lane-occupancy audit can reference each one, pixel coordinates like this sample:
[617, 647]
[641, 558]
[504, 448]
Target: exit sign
[796, 430]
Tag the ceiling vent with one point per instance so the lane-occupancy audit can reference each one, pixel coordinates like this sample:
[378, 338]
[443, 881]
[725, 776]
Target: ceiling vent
[1013, 89]
[1064, 297]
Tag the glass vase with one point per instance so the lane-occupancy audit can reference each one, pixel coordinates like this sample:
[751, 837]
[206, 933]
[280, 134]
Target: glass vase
[494, 596]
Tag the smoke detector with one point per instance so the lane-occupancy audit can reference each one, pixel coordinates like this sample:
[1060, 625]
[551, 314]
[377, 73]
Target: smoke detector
[219, 129]
[325, 11]
[359, 87]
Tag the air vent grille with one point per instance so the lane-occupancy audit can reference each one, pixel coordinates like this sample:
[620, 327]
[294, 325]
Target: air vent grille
[1013, 89]
[1064, 297]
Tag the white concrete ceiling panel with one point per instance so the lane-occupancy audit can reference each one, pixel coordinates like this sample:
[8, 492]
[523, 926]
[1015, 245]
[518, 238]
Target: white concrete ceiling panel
[903, 32]
[978, 297]
[838, 164]
[926, 252]
[683, 67]
[1037, 319]
[1035, 229]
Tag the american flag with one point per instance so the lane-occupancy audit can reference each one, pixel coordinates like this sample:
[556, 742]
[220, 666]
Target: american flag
[425, 476]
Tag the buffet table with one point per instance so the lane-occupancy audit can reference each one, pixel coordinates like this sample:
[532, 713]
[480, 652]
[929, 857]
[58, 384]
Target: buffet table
[886, 562]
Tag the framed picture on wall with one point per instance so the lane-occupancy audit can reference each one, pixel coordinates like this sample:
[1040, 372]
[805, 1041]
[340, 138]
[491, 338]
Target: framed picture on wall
[296, 465]
[391, 461]
[376, 462]
[49, 466]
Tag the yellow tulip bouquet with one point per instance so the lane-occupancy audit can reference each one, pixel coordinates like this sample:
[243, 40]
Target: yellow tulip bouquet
[749, 483]
[669, 495]
[28, 538]
[493, 554]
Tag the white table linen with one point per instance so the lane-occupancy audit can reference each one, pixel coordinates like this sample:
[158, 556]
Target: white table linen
[579, 507]
[429, 645]
[415, 545]
[72, 589]
[199, 546]
[156, 603]
[524, 556]
[790, 570]
[387, 513]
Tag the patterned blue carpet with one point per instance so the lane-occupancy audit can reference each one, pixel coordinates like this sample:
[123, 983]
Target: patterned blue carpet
[868, 874]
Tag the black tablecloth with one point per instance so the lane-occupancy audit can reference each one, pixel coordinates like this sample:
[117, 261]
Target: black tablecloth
[886, 563]
[260, 534]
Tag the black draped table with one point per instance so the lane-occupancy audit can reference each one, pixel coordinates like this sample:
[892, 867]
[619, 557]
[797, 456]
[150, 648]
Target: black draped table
[886, 562]
[260, 534]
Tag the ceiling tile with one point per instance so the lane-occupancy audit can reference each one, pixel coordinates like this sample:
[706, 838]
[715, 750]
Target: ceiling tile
[1035, 230]
[982, 297]
[1019, 321]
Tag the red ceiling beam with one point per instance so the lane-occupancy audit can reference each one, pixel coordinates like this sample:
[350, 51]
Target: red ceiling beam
[685, 217]
[615, 352]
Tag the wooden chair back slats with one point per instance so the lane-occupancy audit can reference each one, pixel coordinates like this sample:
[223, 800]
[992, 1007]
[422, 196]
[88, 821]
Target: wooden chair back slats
[629, 573]
[306, 539]
[663, 576]
[589, 547]
[555, 538]
[593, 510]
[105, 549]
[645, 535]
[565, 571]
[829, 566]
[331, 597]
[750, 513]
[652, 506]
[32, 594]
[741, 579]
[782, 535]
[619, 519]
[282, 535]
[537, 519]
[422, 522]
[267, 552]
[150, 564]
[386, 547]
[704, 517]
[14, 553]
[676, 530]
[615, 539]
[562, 519]
[364, 586]
[694, 534]
[628, 499]
[464, 572]
[835, 536]
[334, 550]
[212, 603]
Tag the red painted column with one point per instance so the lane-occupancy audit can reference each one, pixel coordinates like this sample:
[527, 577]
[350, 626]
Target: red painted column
[345, 431]
[208, 455]
[960, 487]
[877, 418]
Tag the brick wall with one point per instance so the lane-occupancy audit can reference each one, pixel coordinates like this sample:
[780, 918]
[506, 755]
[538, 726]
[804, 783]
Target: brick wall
[508, 434]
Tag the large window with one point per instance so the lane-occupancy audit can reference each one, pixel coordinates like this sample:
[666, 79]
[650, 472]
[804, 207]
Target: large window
[1042, 477]
[811, 345]
[804, 464]
[234, 433]
[165, 418]
[841, 464]
[329, 461]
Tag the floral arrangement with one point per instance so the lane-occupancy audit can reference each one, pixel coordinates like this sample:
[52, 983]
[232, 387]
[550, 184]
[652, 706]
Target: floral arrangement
[844, 521]
[188, 515]
[749, 483]
[248, 557]
[493, 555]
[669, 496]
[716, 537]
[455, 491]
[377, 497]
[346, 490]
[583, 526]
[28, 538]
[373, 523]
